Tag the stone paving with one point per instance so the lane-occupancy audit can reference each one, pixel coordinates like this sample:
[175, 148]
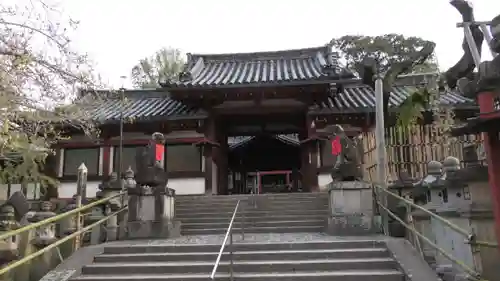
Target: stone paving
[249, 238]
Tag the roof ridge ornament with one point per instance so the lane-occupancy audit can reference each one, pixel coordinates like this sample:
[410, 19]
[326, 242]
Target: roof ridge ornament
[331, 62]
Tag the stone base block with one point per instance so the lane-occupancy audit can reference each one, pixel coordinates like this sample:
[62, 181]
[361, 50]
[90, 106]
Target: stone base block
[350, 225]
[153, 229]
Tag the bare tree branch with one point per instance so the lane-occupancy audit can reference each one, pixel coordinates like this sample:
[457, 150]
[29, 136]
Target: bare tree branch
[39, 75]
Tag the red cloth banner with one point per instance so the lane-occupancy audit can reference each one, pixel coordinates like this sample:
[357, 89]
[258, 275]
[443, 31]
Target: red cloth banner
[160, 152]
[336, 146]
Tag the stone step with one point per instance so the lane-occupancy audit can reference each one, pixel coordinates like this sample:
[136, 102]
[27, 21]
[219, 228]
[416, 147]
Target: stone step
[344, 275]
[253, 218]
[262, 229]
[179, 209]
[250, 204]
[236, 197]
[240, 266]
[355, 253]
[217, 200]
[251, 224]
[242, 247]
[243, 196]
[249, 213]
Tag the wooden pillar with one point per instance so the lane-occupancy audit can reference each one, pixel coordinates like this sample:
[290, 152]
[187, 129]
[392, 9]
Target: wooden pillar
[222, 161]
[312, 147]
[305, 163]
[492, 148]
[207, 158]
[210, 153]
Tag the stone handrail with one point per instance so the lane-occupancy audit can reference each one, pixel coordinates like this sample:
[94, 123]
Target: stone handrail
[381, 191]
[33, 242]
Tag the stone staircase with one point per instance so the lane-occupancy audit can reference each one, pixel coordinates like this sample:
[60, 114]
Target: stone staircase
[254, 260]
[283, 241]
[274, 213]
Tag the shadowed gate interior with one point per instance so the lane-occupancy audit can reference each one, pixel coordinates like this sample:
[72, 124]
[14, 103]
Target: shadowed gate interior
[264, 163]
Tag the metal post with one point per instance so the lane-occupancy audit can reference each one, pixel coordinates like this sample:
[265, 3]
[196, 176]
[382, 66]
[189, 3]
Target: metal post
[380, 142]
[380, 131]
[120, 152]
[231, 255]
[120, 149]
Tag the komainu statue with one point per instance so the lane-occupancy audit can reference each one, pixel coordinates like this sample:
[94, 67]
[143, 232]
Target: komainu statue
[150, 162]
[348, 163]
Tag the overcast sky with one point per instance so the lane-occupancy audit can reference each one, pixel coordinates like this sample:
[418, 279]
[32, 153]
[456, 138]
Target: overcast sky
[118, 33]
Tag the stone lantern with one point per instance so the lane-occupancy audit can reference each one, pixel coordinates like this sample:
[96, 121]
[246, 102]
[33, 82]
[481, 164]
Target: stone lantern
[9, 247]
[110, 187]
[426, 191]
[426, 194]
[403, 187]
[460, 210]
[44, 235]
[455, 185]
[129, 179]
[67, 225]
[129, 183]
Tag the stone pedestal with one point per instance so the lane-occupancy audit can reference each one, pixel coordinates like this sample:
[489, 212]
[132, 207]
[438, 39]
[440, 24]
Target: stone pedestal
[96, 235]
[151, 210]
[110, 187]
[350, 209]
[151, 213]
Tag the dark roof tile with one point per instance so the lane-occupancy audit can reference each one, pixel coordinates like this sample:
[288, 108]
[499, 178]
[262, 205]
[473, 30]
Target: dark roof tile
[281, 67]
[137, 105]
[362, 98]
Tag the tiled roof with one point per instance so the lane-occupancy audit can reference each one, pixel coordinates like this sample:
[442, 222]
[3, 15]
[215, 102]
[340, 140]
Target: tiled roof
[280, 67]
[235, 142]
[138, 105]
[156, 104]
[359, 98]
